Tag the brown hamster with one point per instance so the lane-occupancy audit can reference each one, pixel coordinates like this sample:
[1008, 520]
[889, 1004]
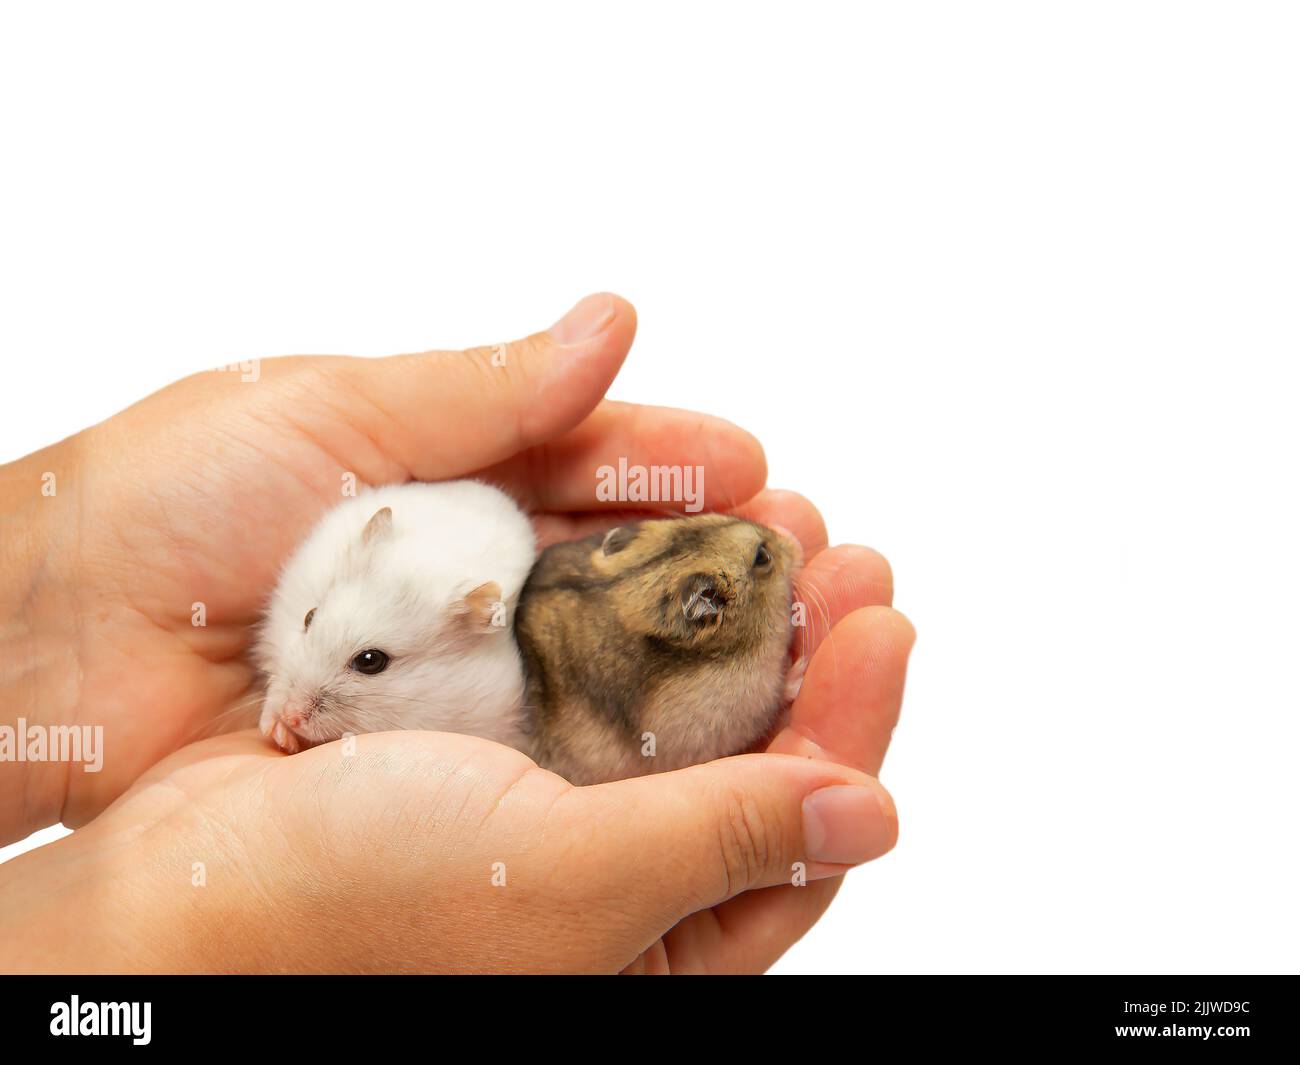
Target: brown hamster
[656, 645]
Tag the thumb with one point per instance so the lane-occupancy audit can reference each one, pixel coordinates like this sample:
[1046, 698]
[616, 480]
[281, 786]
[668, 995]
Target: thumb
[448, 413]
[683, 841]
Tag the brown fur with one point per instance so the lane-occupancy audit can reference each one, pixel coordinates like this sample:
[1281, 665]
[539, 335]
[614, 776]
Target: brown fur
[665, 627]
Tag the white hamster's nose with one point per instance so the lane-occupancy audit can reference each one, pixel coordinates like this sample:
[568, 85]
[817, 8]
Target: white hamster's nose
[298, 709]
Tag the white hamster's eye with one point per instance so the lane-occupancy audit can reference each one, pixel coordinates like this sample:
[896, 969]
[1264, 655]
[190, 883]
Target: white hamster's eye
[306, 622]
[370, 662]
[762, 557]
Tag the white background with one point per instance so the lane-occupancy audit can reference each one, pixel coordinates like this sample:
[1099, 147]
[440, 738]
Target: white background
[1009, 290]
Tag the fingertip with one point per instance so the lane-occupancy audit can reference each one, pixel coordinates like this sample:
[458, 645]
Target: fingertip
[857, 567]
[881, 633]
[738, 457]
[566, 370]
[895, 622]
[794, 512]
[847, 825]
[598, 329]
[602, 315]
[625, 316]
[834, 584]
[852, 692]
[905, 626]
[889, 809]
[869, 559]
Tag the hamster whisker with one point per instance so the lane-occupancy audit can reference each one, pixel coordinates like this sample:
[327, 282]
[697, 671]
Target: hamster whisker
[382, 717]
[397, 697]
[214, 726]
[814, 596]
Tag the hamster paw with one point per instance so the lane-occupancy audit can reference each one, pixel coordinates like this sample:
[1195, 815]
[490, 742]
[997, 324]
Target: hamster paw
[794, 679]
[279, 733]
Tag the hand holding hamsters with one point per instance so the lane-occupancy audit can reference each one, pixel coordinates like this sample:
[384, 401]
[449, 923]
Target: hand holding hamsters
[141, 589]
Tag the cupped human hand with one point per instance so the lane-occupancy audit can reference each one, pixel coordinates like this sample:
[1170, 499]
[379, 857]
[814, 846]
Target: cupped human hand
[856, 649]
[132, 589]
[191, 500]
[434, 852]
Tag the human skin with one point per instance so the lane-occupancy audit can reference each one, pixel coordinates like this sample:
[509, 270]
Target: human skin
[390, 856]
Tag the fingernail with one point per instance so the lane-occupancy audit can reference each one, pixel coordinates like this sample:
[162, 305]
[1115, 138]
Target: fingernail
[587, 318]
[847, 824]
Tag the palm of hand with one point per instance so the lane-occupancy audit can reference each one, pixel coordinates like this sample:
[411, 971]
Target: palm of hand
[174, 575]
[427, 852]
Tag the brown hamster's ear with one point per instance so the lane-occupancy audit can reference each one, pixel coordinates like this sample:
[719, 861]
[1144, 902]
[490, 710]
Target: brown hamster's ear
[482, 610]
[703, 599]
[379, 527]
[617, 539]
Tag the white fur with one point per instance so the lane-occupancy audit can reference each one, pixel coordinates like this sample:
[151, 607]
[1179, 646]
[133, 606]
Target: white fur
[398, 594]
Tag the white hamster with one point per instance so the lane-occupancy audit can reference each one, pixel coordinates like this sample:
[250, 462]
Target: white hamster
[396, 613]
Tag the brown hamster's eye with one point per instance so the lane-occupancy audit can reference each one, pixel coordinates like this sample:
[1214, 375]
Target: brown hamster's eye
[306, 622]
[762, 557]
[370, 662]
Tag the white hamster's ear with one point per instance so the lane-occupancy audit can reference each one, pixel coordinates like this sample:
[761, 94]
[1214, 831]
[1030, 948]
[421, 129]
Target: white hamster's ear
[482, 609]
[379, 527]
